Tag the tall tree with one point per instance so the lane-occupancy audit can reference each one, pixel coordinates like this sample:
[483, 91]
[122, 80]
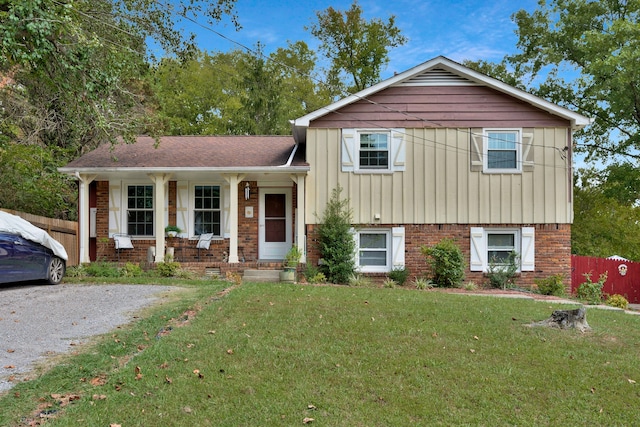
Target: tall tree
[586, 55]
[356, 47]
[607, 212]
[77, 68]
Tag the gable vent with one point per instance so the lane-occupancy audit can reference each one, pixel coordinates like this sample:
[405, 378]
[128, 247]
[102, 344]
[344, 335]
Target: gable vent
[438, 77]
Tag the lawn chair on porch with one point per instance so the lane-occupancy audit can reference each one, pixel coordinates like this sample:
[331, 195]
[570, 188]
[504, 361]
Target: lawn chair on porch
[204, 242]
[122, 241]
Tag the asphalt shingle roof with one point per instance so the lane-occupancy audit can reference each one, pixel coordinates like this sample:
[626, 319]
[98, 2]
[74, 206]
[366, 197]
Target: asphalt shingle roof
[192, 151]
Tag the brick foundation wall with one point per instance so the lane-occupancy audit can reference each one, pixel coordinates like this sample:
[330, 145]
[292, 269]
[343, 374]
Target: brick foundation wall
[552, 248]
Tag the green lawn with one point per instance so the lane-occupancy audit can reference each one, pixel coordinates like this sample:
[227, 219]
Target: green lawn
[275, 354]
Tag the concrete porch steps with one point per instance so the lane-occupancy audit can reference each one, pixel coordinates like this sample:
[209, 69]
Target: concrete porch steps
[253, 275]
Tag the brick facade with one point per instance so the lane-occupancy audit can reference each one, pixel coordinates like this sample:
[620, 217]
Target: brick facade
[552, 248]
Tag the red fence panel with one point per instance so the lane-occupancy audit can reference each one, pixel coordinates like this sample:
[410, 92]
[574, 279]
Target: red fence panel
[623, 277]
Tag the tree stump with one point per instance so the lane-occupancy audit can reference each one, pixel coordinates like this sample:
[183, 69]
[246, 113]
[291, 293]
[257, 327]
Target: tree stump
[565, 319]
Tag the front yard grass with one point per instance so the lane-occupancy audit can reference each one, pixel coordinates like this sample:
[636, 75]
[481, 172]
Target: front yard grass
[282, 354]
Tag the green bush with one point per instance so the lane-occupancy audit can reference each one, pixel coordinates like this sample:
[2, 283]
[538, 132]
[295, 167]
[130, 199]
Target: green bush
[552, 285]
[314, 275]
[445, 262]
[168, 268]
[102, 269]
[421, 283]
[591, 292]
[399, 275]
[359, 280]
[335, 238]
[131, 270]
[617, 300]
[503, 275]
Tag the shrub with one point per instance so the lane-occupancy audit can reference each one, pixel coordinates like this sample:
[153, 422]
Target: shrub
[336, 243]
[389, 283]
[552, 285]
[470, 286]
[617, 300]
[421, 283]
[589, 291]
[313, 275]
[168, 268]
[502, 275]
[131, 270]
[359, 280]
[446, 263]
[399, 275]
[102, 269]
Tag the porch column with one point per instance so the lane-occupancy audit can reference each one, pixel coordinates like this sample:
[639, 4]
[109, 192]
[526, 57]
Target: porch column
[233, 180]
[83, 215]
[300, 238]
[160, 180]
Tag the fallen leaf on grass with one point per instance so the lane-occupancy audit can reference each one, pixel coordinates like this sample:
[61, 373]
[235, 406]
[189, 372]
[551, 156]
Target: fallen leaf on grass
[312, 407]
[230, 351]
[99, 397]
[475, 337]
[631, 381]
[308, 420]
[472, 350]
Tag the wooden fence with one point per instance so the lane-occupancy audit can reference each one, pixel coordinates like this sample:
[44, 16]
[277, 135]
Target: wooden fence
[623, 277]
[65, 232]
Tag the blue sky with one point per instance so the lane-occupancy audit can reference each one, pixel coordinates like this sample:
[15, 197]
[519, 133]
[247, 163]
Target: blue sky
[459, 30]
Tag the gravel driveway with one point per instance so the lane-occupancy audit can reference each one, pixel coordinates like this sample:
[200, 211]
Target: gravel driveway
[40, 321]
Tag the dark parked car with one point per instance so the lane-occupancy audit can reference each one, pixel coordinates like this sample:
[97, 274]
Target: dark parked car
[28, 252]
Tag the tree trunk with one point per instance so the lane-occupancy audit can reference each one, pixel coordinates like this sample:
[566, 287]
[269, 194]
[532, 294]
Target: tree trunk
[565, 319]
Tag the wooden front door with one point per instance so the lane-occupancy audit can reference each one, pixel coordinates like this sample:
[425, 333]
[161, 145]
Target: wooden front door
[275, 223]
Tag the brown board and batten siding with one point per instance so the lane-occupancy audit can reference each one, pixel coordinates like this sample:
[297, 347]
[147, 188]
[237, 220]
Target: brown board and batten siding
[440, 184]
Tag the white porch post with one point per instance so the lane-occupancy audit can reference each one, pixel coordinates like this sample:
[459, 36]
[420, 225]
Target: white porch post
[300, 238]
[160, 180]
[233, 180]
[83, 214]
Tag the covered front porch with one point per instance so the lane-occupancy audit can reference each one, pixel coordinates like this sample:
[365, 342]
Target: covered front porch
[247, 194]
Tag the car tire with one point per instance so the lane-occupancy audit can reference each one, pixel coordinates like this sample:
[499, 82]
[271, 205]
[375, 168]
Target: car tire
[56, 270]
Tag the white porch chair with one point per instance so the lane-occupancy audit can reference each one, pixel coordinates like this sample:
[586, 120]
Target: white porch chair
[122, 241]
[204, 242]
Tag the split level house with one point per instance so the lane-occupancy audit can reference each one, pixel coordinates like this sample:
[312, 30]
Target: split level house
[438, 151]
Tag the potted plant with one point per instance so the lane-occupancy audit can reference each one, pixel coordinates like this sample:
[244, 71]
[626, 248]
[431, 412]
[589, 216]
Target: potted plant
[172, 230]
[290, 264]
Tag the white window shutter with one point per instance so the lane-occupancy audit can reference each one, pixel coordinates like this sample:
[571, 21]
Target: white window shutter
[182, 207]
[476, 151]
[478, 250]
[356, 256]
[398, 150]
[115, 203]
[397, 237]
[527, 254]
[348, 150]
[527, 152]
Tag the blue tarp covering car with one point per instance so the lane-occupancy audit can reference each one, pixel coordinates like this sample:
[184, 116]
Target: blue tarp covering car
[28, 252]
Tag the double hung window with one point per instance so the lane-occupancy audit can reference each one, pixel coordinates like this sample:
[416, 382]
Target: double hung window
[207, 210]
[500, 246]
[502, 150]
[140, 210]
[374, 150]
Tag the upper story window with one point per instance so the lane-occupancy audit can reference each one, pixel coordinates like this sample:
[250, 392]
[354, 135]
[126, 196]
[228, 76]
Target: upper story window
[140, 210]
[502, 150]
[374, 150]
[207, 211]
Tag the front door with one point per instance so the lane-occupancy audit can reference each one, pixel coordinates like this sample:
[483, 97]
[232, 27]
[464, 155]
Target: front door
[275, 223]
